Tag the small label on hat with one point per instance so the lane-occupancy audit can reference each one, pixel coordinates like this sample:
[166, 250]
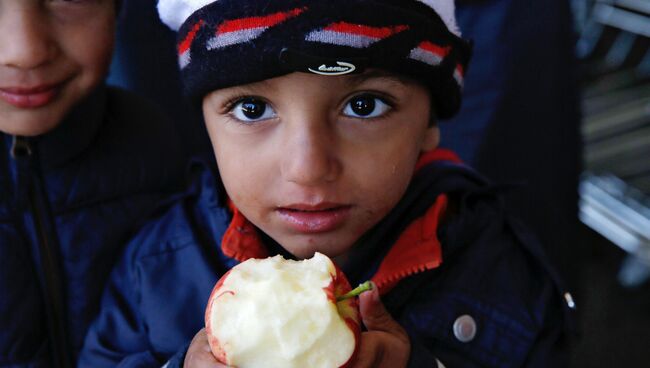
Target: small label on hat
[302, 62]
[340, 68]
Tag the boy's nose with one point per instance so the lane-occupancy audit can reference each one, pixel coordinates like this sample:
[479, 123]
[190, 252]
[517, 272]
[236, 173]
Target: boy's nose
[310, 157]
[25, 39]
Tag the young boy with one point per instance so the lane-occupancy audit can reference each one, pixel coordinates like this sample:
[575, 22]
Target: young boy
[78, 168]
[322, 116]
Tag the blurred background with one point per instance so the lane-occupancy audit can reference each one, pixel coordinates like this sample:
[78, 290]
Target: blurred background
[613, 49]
[557, 106]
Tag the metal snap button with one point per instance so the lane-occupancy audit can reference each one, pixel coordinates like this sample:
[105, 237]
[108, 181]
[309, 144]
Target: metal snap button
[465, 328]
[568, 298]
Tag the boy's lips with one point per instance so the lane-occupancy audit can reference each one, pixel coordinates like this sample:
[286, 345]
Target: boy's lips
[30, 97]
[305, 218]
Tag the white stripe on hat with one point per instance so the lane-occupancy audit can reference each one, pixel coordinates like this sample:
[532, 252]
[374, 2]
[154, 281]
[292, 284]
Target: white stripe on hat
[429, 53]
[231, 38]
[447, 11]
[458, 76]
[425, 56]
[184, 59]
[341, 38]
[174, 12]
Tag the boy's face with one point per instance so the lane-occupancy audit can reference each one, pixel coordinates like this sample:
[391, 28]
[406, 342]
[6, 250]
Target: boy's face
[52, 54]
[316, 161]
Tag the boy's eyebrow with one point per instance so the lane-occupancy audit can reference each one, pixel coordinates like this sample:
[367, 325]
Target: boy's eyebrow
[354, 79]
[249, 88]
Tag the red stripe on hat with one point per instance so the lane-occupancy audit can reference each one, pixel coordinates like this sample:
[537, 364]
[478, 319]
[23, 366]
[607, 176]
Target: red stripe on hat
[257, 22]
[460, 70]
[434, 49]
[358, 29]
[187, 42]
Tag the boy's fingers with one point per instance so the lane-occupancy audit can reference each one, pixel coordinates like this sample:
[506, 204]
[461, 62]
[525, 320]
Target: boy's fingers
[369, 354]
[379, 349]
[376, 317]
[199, 354]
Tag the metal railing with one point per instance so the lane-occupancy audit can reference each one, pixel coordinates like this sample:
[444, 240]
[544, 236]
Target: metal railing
[615, 191]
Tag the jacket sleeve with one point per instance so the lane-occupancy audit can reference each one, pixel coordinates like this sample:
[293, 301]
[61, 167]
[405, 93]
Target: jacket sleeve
[550, 348]
[422, 357]
[119, 337]
[178, 359]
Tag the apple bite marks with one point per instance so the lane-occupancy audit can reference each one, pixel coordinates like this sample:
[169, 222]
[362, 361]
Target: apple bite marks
[281, 313]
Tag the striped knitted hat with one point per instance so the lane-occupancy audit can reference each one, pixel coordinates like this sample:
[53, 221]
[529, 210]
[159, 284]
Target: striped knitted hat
[224, 43]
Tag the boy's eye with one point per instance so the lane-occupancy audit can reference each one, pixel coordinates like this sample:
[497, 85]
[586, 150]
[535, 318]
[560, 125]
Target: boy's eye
[252, 109]
[366, 106]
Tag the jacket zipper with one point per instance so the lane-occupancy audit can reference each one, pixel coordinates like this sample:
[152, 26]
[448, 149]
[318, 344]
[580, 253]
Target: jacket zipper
[52, 286]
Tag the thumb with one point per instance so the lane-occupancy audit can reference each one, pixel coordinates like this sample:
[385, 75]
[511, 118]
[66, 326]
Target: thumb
[375, 316]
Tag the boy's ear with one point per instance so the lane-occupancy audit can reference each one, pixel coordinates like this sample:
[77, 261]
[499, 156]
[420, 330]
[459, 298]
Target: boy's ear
[431, 138]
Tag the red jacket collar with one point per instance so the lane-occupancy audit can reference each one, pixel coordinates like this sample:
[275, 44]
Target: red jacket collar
[241, 240]
[417, 249]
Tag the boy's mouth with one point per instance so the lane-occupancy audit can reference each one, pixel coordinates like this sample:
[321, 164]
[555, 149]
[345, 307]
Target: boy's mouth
[30, 97]
[306, 218]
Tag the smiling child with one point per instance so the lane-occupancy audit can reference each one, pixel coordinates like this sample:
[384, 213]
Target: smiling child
[323, 118]
[78, 167]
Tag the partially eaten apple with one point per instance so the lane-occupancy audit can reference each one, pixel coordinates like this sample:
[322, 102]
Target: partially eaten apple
[275, 312]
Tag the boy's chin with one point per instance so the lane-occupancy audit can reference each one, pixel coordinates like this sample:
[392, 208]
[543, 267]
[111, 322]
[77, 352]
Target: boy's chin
[303, 247]
[29, 127]
[30, 122]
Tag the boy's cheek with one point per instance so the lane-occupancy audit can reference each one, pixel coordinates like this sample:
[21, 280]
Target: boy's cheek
[80, 11]
[431, 139]
[247, 181]
[89, 43]
[88, 47]
[81, 36]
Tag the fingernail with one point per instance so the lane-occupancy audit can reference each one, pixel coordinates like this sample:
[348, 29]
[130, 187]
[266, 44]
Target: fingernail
[375, 292]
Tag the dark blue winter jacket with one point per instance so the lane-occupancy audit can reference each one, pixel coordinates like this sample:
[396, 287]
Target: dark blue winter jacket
[492, 302]
[69, 200]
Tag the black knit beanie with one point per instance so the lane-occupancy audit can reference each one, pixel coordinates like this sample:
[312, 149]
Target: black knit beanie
[224, 43]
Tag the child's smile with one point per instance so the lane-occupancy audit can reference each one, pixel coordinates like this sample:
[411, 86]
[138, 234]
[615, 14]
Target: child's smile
[316, 161]
[30, 97]
[53, 54]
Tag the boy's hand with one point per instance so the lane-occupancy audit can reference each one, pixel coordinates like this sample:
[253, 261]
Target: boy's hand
[386, 344]
[199, 354]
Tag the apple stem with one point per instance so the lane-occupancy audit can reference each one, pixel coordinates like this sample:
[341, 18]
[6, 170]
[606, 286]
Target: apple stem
[366, 286]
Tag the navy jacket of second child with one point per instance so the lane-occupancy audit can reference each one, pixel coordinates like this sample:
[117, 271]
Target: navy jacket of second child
[69, 201]
[447, 260]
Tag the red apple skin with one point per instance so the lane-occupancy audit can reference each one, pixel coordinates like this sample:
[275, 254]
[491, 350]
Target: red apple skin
[348, 309]
[215, 346]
